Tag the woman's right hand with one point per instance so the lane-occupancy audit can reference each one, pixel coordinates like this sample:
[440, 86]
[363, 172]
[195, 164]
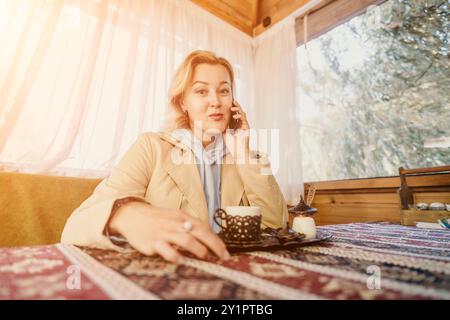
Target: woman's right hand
[153, 230]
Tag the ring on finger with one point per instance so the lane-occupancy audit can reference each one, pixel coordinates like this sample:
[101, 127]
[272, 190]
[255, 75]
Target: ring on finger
[187, 226]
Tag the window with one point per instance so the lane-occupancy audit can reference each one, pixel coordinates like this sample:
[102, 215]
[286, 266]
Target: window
[373, 93]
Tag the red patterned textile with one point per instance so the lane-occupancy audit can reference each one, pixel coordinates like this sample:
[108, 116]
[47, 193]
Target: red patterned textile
[362, 261]
[41, 272]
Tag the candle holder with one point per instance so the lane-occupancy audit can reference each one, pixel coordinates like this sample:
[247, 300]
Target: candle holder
[302, 209]
[302, 221]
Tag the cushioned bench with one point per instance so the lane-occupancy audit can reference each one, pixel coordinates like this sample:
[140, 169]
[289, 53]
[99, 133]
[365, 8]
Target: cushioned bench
[34, 208]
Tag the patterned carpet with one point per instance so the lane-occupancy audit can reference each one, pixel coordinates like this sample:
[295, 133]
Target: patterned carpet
[362, 261]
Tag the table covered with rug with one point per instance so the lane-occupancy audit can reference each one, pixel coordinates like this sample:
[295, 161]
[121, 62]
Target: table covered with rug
[361, 261]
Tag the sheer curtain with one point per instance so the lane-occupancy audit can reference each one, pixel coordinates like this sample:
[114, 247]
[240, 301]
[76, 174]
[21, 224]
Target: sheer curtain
[80, 80]
[275, 83]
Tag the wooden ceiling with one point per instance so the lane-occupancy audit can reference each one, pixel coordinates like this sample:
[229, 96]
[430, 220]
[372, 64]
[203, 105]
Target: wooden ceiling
[248, 15]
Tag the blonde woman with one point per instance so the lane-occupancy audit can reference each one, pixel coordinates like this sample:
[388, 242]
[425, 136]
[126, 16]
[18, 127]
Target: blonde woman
[161, 196]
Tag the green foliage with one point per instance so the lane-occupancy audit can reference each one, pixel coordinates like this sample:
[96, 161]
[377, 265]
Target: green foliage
[379, 85]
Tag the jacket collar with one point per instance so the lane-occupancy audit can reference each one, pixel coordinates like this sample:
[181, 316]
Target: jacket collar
[181, 167]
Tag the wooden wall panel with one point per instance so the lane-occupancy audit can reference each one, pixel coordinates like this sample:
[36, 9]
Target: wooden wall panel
[359, 207]
[357, 198]
[374, 199]
[430, 197]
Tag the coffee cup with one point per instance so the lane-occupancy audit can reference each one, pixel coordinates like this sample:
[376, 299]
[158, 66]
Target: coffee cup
[239, 223]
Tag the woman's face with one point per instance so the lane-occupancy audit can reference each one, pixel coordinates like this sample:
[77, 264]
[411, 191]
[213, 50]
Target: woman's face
[208, 98]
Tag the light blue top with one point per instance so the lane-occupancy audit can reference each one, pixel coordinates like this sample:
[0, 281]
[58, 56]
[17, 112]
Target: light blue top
[209, 161]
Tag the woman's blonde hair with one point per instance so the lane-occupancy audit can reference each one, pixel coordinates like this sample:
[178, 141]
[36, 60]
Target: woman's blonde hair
[183, 76]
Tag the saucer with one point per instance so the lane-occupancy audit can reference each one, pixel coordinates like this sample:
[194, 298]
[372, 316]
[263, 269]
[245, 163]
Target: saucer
[270, 242]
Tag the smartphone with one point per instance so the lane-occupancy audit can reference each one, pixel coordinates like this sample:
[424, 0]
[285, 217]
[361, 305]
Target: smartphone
[233, 122]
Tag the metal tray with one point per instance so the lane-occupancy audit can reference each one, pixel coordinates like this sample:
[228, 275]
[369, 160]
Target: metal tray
[272, 241]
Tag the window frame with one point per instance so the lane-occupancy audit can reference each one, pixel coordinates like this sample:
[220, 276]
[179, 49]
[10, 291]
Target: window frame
[329, 15]
[323, 18]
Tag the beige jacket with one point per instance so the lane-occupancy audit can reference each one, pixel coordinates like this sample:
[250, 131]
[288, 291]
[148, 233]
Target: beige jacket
[159, 170]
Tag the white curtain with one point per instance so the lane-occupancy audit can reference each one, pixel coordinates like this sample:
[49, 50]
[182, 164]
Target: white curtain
[81, 79]
[275, 83]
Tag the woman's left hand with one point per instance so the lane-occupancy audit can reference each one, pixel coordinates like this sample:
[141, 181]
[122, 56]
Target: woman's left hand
[239, 140]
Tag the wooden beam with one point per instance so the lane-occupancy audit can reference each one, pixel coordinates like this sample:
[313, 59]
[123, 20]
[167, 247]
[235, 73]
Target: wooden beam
[277, 10]
[235, 16]
[425, 170]
[330, 16]
[255, 13]
[437, 180]
[248, 15]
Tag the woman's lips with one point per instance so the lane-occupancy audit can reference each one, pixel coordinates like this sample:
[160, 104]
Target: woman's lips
[216, 117]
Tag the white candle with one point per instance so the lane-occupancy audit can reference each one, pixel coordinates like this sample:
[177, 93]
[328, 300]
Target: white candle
[305, 225]
[243, 211]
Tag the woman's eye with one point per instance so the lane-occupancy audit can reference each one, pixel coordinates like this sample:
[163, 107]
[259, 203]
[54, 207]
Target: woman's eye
[225, 91]
[202, 92]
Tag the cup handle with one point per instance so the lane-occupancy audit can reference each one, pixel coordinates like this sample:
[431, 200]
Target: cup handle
[220, 213]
